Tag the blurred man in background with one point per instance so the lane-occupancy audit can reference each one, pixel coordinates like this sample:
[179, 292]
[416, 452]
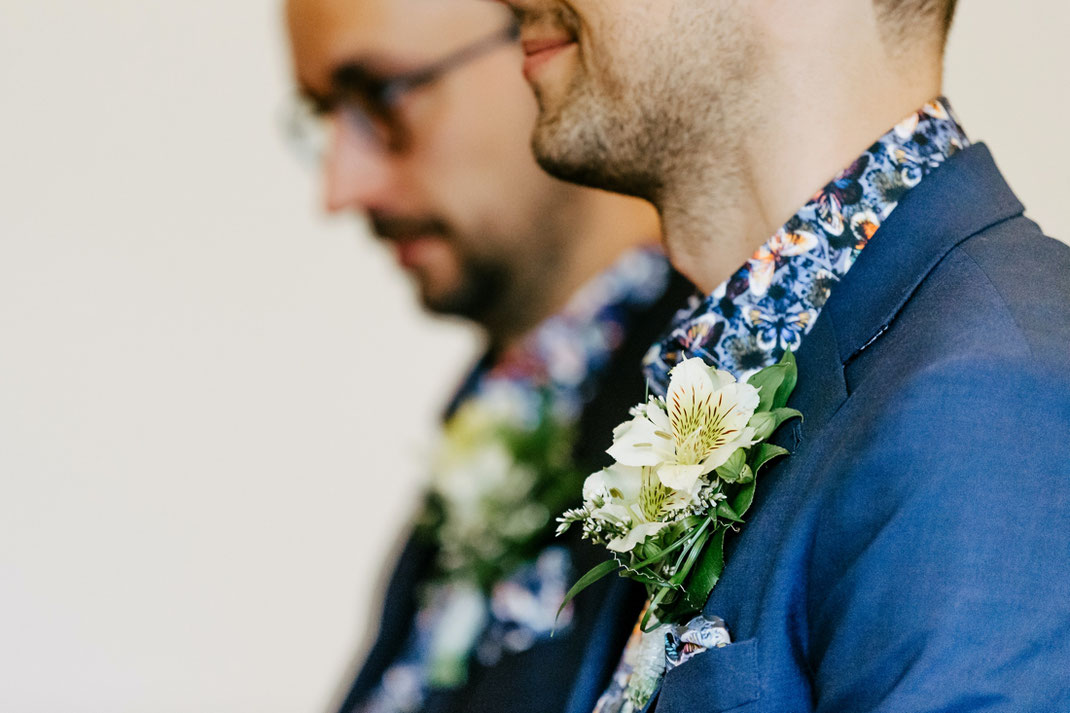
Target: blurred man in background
[421, 121]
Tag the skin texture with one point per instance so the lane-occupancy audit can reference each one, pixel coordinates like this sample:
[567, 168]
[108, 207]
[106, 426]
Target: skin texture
[728, 115]
[484, 232]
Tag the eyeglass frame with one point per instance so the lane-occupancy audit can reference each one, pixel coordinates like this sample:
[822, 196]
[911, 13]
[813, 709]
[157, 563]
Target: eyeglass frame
[368, 99]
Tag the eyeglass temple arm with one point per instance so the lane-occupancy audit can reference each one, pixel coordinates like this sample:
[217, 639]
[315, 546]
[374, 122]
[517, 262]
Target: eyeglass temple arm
[509, 33]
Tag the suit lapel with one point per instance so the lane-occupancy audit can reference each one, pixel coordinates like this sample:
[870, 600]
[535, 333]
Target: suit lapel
[964, 196]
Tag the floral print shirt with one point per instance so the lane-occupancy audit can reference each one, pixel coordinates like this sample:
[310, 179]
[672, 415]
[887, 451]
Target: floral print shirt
[487, 487]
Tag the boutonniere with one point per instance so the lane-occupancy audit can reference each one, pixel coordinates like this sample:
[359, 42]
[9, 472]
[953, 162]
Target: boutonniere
[684, 476]
[503, 468]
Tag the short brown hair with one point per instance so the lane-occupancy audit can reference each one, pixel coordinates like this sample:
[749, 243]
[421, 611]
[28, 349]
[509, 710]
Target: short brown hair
[913, 20]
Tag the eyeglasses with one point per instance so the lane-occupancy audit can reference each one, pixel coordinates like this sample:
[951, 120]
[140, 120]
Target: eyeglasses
[370, 104]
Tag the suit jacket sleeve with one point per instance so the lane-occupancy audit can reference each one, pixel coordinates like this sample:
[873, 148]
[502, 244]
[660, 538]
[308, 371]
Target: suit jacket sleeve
[940, 575]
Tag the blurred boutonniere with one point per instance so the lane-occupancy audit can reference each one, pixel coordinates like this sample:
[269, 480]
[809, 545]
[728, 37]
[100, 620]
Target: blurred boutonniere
[504, 467]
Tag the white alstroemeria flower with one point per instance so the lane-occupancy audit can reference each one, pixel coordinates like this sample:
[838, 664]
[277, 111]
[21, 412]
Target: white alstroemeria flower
[613, 483]
[646, 439]
[631, 498]
[703, 423]
[477, 477]
[608, 494]
[464, 479]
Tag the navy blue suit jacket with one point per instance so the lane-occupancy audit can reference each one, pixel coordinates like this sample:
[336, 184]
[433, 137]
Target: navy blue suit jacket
[913, 554]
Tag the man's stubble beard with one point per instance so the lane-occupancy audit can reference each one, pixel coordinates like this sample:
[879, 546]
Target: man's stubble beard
[670, 131]
[485, 279]
[597, 143]
[645, 127]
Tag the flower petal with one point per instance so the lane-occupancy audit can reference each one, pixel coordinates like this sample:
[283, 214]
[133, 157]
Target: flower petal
[614, 513]
[657, 416]
[743, 397]
[634, 443]
[720, 378]
[680, 477]
[595, 486]
[622, 482]
[636, 535]
[691, 376]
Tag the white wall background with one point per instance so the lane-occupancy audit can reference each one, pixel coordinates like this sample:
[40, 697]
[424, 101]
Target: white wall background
[214, 403]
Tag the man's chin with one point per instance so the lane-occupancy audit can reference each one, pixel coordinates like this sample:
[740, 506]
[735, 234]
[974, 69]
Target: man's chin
[464, 301]
[479, 298]
[578, 163]
[579, 138]
[453, 306]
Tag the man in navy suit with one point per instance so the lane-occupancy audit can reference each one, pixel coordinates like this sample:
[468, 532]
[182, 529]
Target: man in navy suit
[913, 553]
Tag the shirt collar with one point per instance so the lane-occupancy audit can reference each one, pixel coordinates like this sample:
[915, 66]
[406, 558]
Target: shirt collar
[770, 303]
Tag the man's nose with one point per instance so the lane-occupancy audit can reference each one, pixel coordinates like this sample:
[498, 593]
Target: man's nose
[357, 169]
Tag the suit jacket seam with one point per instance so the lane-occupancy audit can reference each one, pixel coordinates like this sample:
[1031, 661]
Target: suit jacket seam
[1004, 304]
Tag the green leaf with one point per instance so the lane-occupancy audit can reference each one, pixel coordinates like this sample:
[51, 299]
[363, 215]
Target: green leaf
[658, 557]
[651, 609]
[689, 541]
[782, 414]
[746, 475]
[763, 453]
[650, 549]
[729, 472]
[680, 542]
[681, 529]
[742, 501]
[707, 573]
[649, 580]
[684, 569]
[593, 575]
[791, 377]
[768, 382]
[763, 423]
[724, 510]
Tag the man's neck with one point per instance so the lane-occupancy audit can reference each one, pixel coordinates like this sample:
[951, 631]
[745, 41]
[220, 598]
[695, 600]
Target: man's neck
[725, 200]
[601, 228]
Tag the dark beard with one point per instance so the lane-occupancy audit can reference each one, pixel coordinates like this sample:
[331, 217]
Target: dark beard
[484, 282]
[480, 295]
